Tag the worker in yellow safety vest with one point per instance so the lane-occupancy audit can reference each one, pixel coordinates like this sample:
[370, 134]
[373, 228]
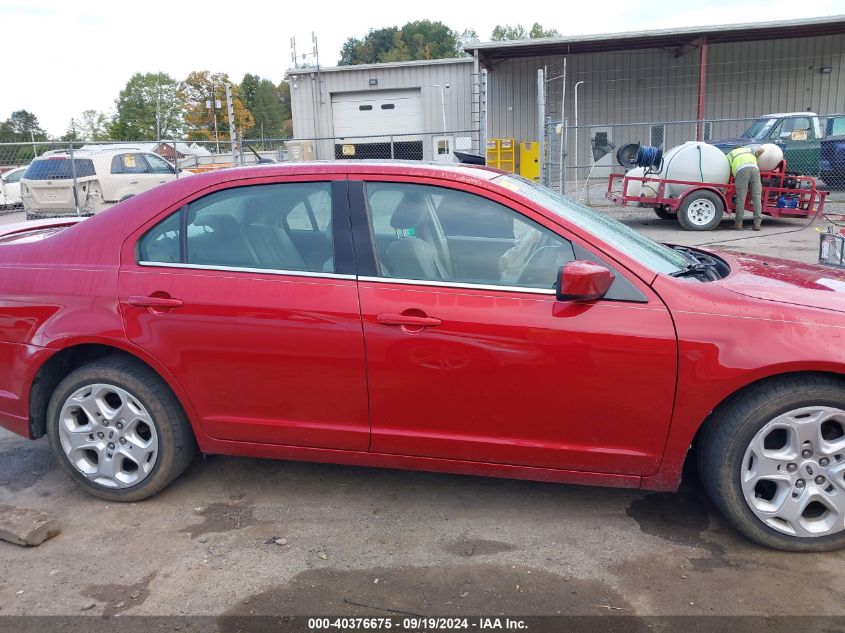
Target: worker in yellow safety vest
[746, 173]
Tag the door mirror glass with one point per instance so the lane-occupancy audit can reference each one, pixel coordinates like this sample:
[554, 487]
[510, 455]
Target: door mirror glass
[583, 281]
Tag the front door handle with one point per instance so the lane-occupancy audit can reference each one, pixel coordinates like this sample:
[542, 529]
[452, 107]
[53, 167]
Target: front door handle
[407, 320]
[155, 302]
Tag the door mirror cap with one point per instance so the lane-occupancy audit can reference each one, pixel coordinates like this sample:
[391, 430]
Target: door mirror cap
[583, 281]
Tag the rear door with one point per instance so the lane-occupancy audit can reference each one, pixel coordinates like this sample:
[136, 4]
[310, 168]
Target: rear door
[265, 340]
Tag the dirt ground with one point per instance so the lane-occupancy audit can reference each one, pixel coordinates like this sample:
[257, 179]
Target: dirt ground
[381, 542]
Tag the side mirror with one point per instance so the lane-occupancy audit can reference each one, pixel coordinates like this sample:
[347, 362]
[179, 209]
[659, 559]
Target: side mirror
[583, 281]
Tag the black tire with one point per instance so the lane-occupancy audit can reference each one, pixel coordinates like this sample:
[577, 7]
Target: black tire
[31, 216]
[663, 214]
[722, 445]
[687, 209]
[126, 197]
[176, 443]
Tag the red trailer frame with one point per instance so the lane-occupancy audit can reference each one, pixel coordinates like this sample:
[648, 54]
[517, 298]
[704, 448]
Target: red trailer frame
[809, 199]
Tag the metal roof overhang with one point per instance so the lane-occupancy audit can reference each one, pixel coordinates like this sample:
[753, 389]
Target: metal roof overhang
[490, 53]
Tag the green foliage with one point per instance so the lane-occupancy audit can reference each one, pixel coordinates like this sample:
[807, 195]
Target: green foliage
[423, 39]
[267, 104]
[91, 126]
[518, 32]
[135, 117]
[21, 126]
[203, 86]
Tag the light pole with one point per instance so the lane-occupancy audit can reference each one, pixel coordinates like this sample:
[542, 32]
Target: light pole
[442, 104]
[576, 132]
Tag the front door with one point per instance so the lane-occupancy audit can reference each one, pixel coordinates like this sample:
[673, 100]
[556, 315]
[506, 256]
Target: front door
[470, 356]
[800, 142]
[259, 325]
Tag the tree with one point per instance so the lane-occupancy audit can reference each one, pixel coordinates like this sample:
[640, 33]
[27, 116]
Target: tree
[202, 87]
[518, 32]
[21, 126]
[135, 116]
[284, 93]
[469, 36]
[538, 31]
[423, 39]
[266, 102]
[91, 126]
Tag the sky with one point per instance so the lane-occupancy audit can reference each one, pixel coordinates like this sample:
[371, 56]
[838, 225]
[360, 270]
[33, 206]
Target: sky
[66, 56]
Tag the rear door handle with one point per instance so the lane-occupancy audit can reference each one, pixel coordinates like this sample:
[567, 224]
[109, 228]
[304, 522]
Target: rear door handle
[394, 318]
[154, 302]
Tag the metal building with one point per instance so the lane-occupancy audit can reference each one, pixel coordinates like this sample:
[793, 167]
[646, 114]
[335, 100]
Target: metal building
[658, 87]
[405, 110]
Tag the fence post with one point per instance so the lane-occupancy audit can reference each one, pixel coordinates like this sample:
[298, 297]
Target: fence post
[391, 147]
[541, 119]
[73, 176]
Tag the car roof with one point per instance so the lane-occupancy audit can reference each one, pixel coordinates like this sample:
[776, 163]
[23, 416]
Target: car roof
[398, 167]
[86, 153]
[784, 115]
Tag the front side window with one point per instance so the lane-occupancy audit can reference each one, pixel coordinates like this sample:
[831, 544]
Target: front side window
[423, 232]
[14, 176]
[158, 165]
[243, 227]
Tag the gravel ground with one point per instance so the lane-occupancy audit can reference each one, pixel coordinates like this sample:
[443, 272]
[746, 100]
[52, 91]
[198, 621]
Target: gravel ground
[370, 541]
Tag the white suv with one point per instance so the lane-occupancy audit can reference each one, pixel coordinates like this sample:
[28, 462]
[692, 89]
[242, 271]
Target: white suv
[104, 177]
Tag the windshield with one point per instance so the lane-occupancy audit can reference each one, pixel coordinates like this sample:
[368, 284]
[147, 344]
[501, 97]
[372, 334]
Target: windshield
[759, 129]
[649, 253]
[59, 168]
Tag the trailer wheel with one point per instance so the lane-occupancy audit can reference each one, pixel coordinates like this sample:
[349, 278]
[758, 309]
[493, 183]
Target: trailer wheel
[701, 211]
[665, 214]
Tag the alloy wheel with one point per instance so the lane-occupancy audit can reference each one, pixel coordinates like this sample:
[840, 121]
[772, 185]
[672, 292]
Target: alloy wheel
[793, 472]
[108, 435]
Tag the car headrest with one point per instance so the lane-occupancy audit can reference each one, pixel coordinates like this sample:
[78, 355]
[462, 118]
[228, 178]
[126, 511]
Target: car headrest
[255, 210]
[223, 225]
[410, 212]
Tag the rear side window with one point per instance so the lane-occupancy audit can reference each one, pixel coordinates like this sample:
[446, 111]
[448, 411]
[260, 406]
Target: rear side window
[59, 168]
[129, 164]
[162, 243]
[248, 227]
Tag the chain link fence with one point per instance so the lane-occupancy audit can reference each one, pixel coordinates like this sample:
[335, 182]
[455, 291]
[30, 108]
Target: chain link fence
[593, 104]
[586, 154]
[49, 179]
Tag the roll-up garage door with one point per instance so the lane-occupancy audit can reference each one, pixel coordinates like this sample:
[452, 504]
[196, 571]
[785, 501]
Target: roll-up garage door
[377, 113]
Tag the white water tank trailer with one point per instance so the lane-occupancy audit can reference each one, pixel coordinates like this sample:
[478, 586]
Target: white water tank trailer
[770, 156]
[694, 161]
[639, 188]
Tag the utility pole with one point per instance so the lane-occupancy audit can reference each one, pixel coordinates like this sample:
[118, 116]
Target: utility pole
[158, 113]
[230, 108]
[213, 105]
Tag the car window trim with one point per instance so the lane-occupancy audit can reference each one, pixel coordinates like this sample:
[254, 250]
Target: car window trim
[461, 285]
[245, 269]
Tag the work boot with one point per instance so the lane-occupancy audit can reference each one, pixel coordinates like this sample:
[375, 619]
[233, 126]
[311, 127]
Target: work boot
[737, 226]
[757, 223]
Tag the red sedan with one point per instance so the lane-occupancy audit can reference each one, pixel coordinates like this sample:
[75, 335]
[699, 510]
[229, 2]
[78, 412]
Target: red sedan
[439, 318]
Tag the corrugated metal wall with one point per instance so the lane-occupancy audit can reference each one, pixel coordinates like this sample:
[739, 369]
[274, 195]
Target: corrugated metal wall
[743, 80]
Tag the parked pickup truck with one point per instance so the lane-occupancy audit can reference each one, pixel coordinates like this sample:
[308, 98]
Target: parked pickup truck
[812, 145]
